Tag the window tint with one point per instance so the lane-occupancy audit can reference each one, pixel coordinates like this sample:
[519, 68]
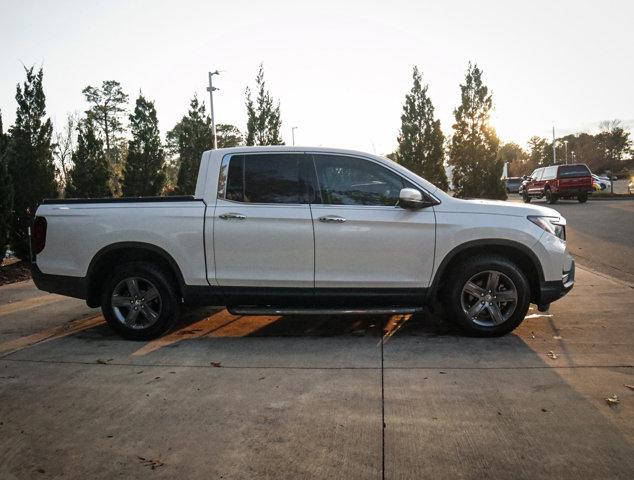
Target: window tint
[549, 173]
[355, 181]
[573, 171]
[536, 175]
[267, 178]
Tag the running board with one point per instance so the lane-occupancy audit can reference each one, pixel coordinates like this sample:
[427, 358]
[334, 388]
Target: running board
[321, 311]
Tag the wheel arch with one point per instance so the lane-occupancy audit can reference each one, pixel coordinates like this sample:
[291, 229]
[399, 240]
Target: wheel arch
[113, 255]
[517, 252]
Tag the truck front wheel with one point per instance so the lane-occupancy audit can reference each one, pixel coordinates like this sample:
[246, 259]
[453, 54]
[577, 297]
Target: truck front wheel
[487, 296]
[139, 301]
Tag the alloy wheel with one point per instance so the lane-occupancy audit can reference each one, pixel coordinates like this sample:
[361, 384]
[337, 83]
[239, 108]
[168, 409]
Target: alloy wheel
[136, 303]
[489, 298]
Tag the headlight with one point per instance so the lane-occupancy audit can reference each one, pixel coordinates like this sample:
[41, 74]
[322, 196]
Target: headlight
[553, 225]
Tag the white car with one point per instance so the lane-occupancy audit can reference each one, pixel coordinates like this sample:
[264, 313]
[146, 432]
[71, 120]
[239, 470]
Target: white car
[602, 182]
[280, 230]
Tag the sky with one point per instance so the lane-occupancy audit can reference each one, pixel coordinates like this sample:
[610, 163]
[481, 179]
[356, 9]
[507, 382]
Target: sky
[340, 69]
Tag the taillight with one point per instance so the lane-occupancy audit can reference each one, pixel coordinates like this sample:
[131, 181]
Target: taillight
[38, 235]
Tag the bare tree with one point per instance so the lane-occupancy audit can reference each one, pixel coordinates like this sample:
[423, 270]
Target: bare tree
[63, 149]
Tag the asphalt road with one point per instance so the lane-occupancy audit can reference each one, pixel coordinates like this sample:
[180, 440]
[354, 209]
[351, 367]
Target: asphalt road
[600, 234]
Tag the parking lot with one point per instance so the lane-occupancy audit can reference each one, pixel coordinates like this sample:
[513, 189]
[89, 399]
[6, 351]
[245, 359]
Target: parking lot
[232, 397]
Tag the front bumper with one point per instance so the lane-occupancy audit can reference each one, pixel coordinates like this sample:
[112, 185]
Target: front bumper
[551, 291]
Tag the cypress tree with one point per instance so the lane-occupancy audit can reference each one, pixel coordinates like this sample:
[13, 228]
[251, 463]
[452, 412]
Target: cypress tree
[473, 153]
[6, 193]
[187, 141]
[90, 175]
[263, 116]
[29, 159]
[144, 171]
[420, 141]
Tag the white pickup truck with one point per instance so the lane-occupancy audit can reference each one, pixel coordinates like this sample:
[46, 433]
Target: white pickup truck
[281, 230]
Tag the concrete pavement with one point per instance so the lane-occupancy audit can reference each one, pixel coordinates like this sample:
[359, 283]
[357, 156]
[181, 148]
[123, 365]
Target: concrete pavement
[274, 397]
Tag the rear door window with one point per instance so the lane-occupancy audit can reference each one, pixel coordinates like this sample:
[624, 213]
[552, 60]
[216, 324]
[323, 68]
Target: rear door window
[266, 178]
[567, 171]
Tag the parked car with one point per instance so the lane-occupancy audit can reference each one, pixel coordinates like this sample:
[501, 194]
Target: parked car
[513, 184]
[596, 185]
[284, 230]
[558, 181]
[602, 182]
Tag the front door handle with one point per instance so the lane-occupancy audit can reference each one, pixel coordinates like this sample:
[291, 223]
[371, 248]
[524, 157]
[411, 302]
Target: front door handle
[332, 218]
[236, 216]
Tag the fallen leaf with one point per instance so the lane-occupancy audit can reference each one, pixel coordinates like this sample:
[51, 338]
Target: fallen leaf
[149, 462]
[631, 387]
[613, 400]
[544, 410]
[553, 355]
[216, 364]
[104, 362]
[557, 337]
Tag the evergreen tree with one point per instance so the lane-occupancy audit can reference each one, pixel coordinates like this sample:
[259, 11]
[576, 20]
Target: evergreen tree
[144, 172]
[90, 175]
[107, 107]
[29, 159]
[473, 153]
[263, 117]
[420, 142]
[6, 193]
[228, 135]
[187, 141]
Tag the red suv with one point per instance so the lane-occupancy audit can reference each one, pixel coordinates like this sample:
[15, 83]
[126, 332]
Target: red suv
[558, 181]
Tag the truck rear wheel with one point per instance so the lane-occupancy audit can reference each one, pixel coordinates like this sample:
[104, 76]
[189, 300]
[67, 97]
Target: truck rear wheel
[139, 301]
[582, 197]
[551, 197]
[487, 296]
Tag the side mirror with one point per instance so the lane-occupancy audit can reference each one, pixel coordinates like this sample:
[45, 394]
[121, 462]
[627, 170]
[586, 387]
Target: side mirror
[412, 199]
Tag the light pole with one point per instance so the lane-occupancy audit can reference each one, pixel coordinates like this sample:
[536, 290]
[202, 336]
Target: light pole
[566, 145]
[211, 90]
[554, 150]
[293, 134]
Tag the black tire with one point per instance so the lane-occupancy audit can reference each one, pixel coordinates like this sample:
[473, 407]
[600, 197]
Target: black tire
[550, 196]
[526, 197]
[582, 197]
[154, 317]
[513, 313]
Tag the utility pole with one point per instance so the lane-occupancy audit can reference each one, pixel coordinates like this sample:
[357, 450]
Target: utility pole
[566, 145]
[293, 134]
[211, 90]
[554, 150]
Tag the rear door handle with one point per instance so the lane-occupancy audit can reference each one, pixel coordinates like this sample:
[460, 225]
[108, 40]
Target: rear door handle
[332, 218]
[236, 216]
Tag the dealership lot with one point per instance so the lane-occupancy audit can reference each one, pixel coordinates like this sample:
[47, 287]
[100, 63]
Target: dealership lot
[225, 396]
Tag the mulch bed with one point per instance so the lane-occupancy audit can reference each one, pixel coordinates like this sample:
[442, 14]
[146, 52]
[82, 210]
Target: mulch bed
[14, 270]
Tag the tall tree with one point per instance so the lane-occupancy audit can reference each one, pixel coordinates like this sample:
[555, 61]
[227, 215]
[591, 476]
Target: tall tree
[90, 175]
[29, 158]
[420, 141]
[517, 159]
[63, 150]
[228, 135]
[614, 142]
[144, 172]
[473, 152]
[187, 141]
[263, 116]
[6, 193]
[107, 109]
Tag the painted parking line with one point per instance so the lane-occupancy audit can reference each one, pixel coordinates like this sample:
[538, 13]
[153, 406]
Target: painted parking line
[29, 303]
[51, 334]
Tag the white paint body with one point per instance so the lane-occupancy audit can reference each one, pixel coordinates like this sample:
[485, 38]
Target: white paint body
[286, 245]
